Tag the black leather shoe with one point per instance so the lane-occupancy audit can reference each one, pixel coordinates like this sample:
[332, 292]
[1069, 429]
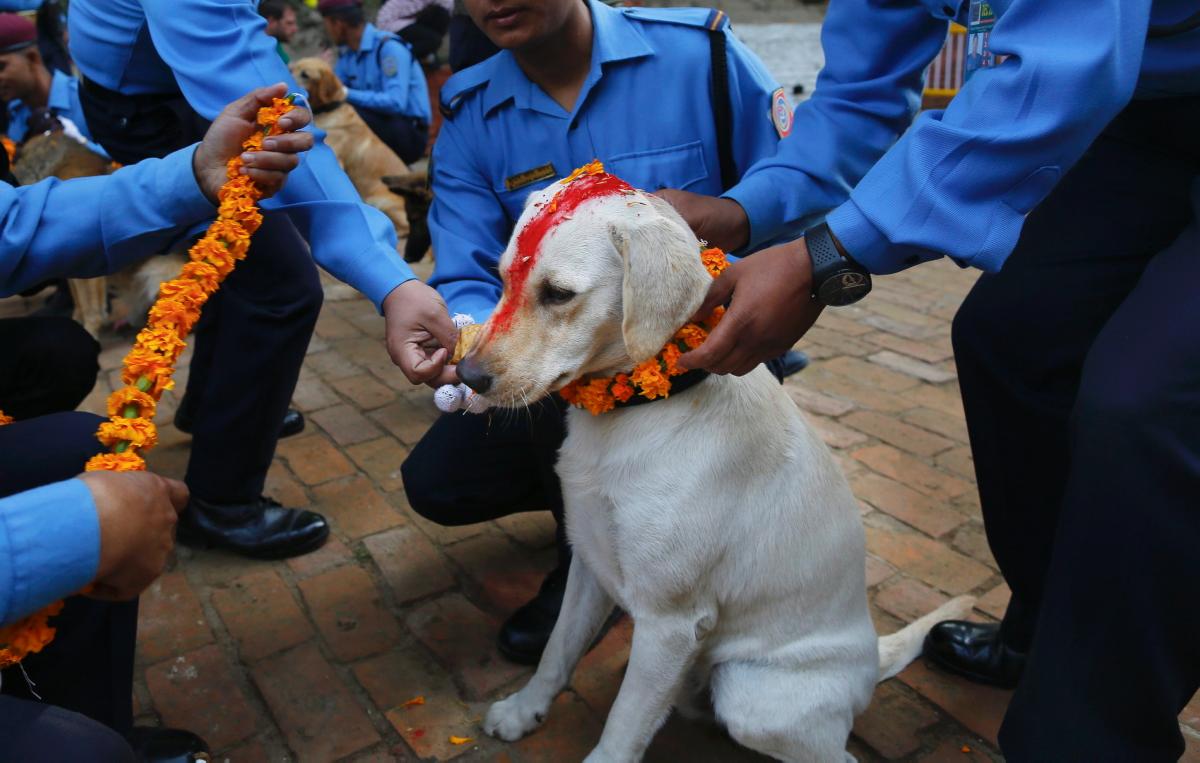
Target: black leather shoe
[524, 636]
[790, 362]
[293, 421]
[154, 745]
[261, 530]
[974, 651]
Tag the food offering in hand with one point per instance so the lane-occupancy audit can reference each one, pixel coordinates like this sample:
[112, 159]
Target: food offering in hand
[450, 398]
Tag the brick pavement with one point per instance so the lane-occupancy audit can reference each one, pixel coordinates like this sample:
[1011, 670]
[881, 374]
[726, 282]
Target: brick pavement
[315, 658]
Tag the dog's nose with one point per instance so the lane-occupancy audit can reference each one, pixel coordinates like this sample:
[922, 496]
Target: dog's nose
[473, 375]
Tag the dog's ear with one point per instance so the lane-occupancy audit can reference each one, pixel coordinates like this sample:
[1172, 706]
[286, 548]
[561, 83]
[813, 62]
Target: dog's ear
[328, 88]
[664, 281]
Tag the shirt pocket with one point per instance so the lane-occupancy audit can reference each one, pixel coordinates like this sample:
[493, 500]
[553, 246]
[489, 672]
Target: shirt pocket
[653, 169]
[514, 201]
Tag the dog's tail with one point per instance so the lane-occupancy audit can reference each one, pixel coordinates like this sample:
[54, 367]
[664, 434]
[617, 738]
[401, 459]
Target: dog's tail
[898, 649]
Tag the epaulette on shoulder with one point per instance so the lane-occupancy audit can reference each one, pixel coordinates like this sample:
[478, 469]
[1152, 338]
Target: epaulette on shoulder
[703, 18]
[462, 84]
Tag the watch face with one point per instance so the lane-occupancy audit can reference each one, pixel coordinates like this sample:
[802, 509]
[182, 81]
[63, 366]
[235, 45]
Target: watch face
[844, 288]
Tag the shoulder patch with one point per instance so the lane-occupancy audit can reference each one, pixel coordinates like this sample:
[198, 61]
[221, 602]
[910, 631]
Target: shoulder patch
[389, 66]
[781, 113]
[701, 18]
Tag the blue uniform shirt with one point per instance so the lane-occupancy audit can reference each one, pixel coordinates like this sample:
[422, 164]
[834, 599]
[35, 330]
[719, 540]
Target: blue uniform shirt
[645, 110]
[62, 102]
[50, 537]
[958, 182]
[383, 75]
[214, 51]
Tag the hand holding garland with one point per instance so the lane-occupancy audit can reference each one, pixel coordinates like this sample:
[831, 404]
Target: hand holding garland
[137, 512]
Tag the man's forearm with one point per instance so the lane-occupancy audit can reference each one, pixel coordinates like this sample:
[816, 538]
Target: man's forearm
[86, 227]
[49, 547]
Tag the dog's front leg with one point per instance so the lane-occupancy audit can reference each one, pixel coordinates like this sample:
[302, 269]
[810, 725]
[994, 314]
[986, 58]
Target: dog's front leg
[664, 648]
[584, 608]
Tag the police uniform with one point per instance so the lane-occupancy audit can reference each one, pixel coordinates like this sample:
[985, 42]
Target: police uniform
[154, 74]
[48, 528]
[386, 86]
[1070, 173]
[63, 102]
[646, 110]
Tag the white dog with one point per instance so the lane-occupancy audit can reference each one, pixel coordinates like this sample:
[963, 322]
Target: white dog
[716, 518]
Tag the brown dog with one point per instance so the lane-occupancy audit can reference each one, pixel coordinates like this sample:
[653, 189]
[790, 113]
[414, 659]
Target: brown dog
[364, 157]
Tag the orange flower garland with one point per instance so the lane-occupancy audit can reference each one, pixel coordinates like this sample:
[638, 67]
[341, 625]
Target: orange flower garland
[151, 363]
[651, 379]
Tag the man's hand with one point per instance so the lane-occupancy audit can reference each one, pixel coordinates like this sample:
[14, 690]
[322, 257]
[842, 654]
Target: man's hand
[720, 222]
[420, 334]
[269, 167]
[771, 308]
[137, 513]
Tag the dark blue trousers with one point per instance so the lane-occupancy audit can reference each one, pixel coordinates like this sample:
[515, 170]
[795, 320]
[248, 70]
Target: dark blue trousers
[1079, 364]
[33, 732]
[250, 344]
[470, 468]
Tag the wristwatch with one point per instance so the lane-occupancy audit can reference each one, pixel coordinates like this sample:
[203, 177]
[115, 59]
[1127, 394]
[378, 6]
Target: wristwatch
[837, 279]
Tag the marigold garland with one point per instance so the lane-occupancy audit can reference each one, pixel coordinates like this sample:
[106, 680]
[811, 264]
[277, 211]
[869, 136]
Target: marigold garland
[149, 366]
[652, 378]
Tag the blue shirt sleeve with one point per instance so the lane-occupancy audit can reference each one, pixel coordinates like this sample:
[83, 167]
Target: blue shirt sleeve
[49, 547]
[960, 182]
[354, 242]
[394, 97]
[95, 225]
[876, 52]
[468, 225]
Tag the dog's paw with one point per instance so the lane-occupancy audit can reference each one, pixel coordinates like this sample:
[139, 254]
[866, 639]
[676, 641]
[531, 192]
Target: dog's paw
[513, 717]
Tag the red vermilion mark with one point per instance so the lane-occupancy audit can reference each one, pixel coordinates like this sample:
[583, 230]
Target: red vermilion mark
[592, 184]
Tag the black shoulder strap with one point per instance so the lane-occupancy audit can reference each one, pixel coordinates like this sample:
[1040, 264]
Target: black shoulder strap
[722, 113]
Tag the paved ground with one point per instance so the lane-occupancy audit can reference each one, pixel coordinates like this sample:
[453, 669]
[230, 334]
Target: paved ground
[315, 658]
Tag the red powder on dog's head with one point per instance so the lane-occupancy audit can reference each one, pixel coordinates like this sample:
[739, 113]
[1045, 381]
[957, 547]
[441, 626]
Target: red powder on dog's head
[586, 183]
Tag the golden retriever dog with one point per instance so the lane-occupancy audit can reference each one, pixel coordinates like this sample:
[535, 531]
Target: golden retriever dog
[364, 157]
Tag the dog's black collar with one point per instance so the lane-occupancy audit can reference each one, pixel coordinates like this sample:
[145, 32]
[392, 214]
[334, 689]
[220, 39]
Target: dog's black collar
[327, 107]
[679, 384]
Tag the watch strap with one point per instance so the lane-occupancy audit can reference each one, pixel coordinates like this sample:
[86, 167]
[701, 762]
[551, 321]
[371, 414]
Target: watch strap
[824, 252]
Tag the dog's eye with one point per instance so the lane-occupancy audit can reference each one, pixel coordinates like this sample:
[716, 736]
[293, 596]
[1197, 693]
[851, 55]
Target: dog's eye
[553, 295]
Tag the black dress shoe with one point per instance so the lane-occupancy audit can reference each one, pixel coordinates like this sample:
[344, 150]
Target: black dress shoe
[261, 529]
[974, 651]
[154, 745]
[790, 362]
[293, 420]
[524, 635]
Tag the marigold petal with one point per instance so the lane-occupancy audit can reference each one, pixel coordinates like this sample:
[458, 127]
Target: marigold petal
[129, 461]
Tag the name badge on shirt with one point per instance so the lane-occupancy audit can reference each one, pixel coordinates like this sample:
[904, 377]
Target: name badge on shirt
[528, 177]
[980, 21]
